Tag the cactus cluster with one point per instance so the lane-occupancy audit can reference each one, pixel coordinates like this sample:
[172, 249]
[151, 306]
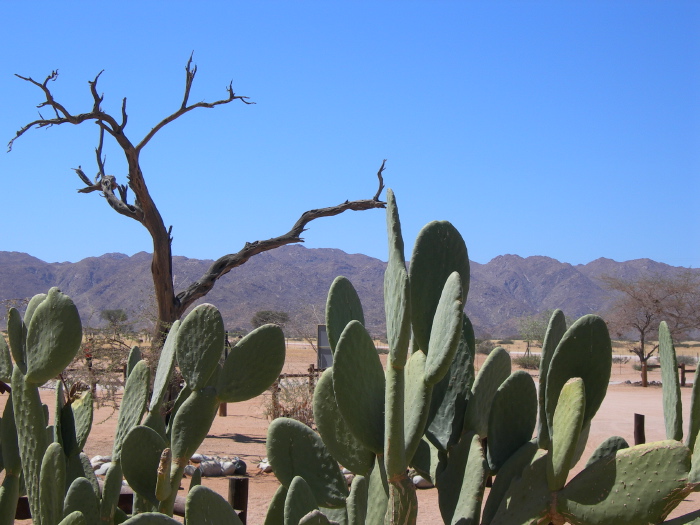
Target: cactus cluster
[429, 411]
[47, 460]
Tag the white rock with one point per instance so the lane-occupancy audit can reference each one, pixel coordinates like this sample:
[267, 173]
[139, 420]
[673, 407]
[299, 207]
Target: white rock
[211, 468]
[189, 470]
[102, 470]
[98, 461]
[265, 467]
[421, 483]
[198, 458]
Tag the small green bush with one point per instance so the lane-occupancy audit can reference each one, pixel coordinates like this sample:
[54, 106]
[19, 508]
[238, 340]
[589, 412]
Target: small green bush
[484, 346]
[686, 360]
[528, 362]
[505, 342]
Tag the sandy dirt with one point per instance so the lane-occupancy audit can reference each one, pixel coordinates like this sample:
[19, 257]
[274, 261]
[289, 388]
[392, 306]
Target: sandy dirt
[242, 433]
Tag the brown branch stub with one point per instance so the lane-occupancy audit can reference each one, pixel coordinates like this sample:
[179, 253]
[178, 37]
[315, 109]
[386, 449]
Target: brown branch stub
[381, 181]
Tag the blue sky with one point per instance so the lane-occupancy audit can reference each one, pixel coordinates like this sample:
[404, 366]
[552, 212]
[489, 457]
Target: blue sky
[565, 129]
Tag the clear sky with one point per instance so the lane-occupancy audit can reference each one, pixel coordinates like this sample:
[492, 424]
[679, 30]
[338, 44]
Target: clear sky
[565, 129]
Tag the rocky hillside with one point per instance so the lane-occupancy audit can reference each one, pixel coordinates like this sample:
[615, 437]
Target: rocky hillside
[296, 279]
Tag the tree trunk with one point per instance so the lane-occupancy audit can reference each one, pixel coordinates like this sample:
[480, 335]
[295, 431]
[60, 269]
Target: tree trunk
[644, 373]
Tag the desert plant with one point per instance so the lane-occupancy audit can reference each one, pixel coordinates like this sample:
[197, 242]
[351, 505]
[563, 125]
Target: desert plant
[430, 412]
[59, 480]
[484, 346]
[528, 362]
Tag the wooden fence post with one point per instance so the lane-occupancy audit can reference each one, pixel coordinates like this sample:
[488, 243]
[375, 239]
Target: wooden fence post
[639, 435]
[238, 496]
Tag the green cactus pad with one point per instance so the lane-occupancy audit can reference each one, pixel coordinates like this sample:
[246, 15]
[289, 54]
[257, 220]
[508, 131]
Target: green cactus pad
[10, 446]
[494, 371]
[199, 344]
[76, 422]
[342, 306]
[449, 397]
[439, 250]
[165, 368]
[378, 498]
[397, 291]
[358, 381]
[134, 357]
[9, 495]
[673, 410]
[179, 401]
[204, 506]
[31, 434]
[275, 512]
[52, 484]
[295, 450]
[510, 470]
[585, 351]
[527, 500]
[151, 518]
[74, 518]
[416, 402]
[140, 459]
[16, 333]
[31, 308]
[336, 435]
[694, 420]
[638, 485]
[394, 450]
[461, 485]
[79, 467]
[196, 478]
[110, 492]
[299, 502]
[566, 429]
[191, 424]
[512, 419]
[54, 335]
[80, 497]
[357, 501]
[428, 460]
[607, 448]
[133, 405]
[252, 365]
[446, 330]
[694, 476]
[555, 331]
[5, 361]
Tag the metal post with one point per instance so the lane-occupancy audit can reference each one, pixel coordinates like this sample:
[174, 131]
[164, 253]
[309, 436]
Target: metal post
[639, 436]
[238, 496]
[682, 367]
[222, 410]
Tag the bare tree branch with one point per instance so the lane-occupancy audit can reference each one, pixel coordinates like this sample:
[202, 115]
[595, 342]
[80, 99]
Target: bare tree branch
[225, 264]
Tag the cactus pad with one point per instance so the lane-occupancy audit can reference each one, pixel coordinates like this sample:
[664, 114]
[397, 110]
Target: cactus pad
[165, 368]
[299, 502]
[446, 330]
[342, 306]
[341, 443]
[54, 335]
[133, 405]
[585, 351]
[638, 485]
[566, 429]
[357, 501]
[80, 497]
[439, 250]
[673, 410]
[494, 371]
[296, 450]
[512, 419]
[203, 505]
[359, 384]
[609, 447]
[555, 331]
[199, 344]
[140, 459]
[252, 365]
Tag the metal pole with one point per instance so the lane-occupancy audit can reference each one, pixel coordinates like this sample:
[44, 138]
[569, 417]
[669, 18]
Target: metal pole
[639, 436]
[238, 496]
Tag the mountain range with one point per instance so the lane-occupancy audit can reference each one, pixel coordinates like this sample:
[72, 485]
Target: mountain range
[296, 279]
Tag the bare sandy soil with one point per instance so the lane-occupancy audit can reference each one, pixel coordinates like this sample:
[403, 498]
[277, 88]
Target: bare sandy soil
[242, 433]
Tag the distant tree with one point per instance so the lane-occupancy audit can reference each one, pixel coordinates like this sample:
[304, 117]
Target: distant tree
[643, 303]
[142, 208]
[114, 317]
[269, 317]
[533, 328]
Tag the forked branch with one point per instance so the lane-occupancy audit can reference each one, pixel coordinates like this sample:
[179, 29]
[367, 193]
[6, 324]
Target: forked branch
[225, 264]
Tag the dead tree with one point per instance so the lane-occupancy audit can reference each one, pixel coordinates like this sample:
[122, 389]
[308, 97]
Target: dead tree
[171, 304]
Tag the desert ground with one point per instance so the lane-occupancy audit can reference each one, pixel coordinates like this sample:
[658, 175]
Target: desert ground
[242, 432]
